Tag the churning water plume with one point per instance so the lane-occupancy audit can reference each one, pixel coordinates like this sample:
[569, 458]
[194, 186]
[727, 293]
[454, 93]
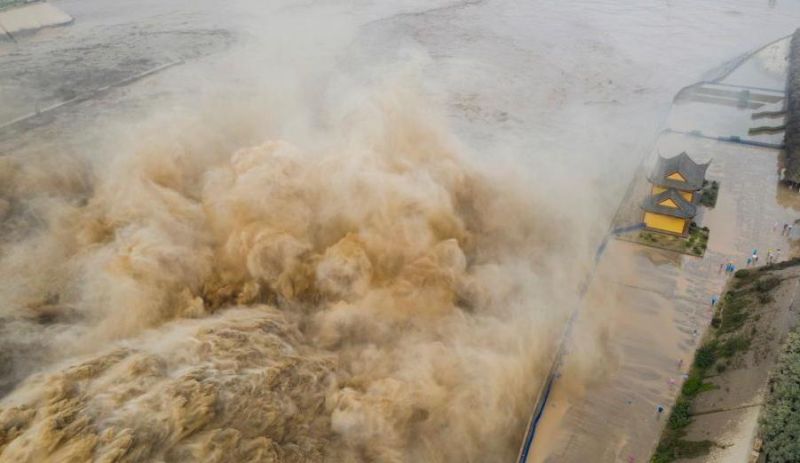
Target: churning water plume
[376, 297]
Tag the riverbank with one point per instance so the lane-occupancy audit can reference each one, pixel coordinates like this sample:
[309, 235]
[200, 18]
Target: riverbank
[715, 418]
[652, 303]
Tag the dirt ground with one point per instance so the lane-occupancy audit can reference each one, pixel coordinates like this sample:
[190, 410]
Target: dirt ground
[728, 415]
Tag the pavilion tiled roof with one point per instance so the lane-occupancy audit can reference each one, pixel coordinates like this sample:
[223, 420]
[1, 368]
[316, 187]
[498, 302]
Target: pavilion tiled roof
[685, 209]
[693, 172]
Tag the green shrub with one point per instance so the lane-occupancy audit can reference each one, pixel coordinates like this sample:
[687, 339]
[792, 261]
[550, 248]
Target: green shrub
[742, 273]
[706, 356]
[732, 321]
[673, 447]
[733, 312]
[680, 416]
[695, 385]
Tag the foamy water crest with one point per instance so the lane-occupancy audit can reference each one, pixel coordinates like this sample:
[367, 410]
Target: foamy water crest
[375, 298]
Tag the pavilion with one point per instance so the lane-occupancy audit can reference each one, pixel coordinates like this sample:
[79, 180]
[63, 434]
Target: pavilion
[672, 204]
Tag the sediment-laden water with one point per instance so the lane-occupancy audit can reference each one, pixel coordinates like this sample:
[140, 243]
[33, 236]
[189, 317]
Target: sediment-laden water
[371, 300]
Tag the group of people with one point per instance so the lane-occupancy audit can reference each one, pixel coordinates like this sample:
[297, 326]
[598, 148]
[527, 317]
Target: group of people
[729, 266]
[773, 256]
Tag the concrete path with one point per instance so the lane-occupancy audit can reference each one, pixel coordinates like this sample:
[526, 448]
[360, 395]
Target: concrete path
[31, 17]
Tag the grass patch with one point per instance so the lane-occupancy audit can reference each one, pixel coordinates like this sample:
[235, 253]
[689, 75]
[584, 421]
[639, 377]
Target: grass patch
[743, 273]
[767, 284]
[764, 298]
[673, 447]
[749, 282]
[681, 415]
[733, 345]
[695, 385]
[706, 356]
[780, 265]
[733, 313]
[708, 196]
[695, 243]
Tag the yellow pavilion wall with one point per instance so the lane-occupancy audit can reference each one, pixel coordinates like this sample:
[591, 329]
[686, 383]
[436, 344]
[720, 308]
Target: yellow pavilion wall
[664, 223]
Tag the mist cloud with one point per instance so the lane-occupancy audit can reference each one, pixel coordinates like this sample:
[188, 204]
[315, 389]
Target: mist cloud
[371, 296]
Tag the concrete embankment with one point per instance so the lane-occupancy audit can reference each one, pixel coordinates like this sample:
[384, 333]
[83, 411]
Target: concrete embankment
[30, 17]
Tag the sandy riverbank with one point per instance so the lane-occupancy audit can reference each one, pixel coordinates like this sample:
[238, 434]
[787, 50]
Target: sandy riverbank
[727, 409]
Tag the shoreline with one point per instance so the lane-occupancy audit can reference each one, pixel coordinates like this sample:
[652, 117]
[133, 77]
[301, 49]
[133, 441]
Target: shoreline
[623, 219]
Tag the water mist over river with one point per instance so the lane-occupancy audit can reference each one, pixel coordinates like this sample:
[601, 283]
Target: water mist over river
[367, 301]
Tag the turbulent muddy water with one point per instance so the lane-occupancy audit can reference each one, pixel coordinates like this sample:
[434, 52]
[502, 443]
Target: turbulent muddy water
[368, 301]
[375, 264]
